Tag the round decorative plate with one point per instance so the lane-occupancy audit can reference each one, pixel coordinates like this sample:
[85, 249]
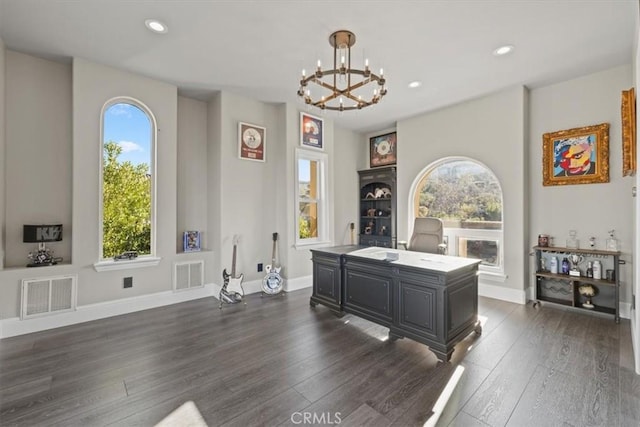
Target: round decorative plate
[251, 137]
[383, 148]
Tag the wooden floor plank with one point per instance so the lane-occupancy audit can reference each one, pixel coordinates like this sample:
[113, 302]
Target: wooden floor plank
[629, 397]
[465, 420]
[274, 411]
[472, 377]
[492, 347]
[260, 363]
[365, 415]
[585, 402]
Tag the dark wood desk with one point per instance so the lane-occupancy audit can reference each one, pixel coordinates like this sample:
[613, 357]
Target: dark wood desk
[432, 299]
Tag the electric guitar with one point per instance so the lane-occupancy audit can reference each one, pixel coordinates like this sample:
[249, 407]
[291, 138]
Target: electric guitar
[233, 283]
[272, 282]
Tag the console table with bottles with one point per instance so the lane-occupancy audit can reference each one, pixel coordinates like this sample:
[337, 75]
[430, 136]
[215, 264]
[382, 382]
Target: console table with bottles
[563, 289]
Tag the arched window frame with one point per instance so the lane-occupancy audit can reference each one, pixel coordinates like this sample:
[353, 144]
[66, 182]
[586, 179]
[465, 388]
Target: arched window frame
[144, 260]
[453, 234]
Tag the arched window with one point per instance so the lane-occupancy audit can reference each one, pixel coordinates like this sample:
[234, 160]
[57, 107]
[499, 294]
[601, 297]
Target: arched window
[127, 190]
[467, 196]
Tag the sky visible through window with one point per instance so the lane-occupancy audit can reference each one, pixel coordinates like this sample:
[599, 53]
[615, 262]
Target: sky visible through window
[304, 170]
[129, 127]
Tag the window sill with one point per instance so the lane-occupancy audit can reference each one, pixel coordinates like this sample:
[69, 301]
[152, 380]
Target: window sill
[312, 245]
[110, 265]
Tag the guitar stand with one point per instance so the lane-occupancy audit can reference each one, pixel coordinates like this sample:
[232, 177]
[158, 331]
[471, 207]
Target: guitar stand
[264, 294]
[229, 297]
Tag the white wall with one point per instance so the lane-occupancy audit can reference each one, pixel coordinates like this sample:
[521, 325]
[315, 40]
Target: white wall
[43, 90]
[255, 199]
[347, 160]
[2, 150]
[591, 209]
[191, 170]
[214, 182]
[246, 188]
[38, 152]
[93, 86]
[491, 131]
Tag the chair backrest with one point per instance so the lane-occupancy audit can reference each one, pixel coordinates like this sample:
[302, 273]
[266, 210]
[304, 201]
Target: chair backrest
[427, 235]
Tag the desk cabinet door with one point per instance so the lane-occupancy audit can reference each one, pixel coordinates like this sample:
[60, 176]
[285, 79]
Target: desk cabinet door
[370, 292]
[326, 281]
[418, 309]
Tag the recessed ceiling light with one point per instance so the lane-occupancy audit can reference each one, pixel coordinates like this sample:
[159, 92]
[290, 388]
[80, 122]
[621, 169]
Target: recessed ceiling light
[415, 84]
[503, 50]
[156, 26]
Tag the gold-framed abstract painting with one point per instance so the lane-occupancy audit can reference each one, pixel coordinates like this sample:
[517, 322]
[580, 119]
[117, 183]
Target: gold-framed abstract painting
[576, 156]
[629, 136]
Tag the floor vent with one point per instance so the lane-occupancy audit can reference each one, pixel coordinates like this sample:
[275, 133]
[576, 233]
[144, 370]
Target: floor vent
[188, 275]
[48, 295]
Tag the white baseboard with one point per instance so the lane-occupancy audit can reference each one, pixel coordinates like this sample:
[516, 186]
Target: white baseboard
[85, 313]
[252, 287]
[298, 283]
[500, 292]
[255, 286]
[635, 335]
[625, 310]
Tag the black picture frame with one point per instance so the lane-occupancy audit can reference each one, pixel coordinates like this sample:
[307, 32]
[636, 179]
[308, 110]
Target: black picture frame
[382, 150]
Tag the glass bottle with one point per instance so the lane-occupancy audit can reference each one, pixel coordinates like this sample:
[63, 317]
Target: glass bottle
[572, 241]
[589, 270]
[612, 242]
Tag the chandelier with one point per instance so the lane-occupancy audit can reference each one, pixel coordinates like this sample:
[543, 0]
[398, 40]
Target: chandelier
[342, 88]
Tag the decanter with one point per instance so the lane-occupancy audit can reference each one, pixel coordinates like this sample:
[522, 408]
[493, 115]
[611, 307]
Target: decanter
[572, 241]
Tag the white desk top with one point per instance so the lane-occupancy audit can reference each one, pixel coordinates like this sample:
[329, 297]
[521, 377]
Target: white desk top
[435, 262]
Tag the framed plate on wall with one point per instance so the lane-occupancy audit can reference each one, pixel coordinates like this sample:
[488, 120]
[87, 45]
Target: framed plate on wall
[252, 142]
[382, 150]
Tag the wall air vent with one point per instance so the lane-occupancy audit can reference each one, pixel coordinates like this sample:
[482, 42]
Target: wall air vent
[48, 295]
[188, 275]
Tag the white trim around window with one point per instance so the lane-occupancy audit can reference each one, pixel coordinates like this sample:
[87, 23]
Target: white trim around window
[321, 199]
[147, 260]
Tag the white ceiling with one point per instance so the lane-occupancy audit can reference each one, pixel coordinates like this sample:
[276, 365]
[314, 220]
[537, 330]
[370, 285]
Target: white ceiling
[258, 48]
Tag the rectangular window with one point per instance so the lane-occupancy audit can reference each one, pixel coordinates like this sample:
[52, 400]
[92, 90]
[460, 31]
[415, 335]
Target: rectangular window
[485, 250]
[311, 223]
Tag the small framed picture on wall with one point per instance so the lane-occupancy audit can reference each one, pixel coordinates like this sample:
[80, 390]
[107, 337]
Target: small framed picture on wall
[191, 241]
[382, 150]
[311, 131]
[252, 142]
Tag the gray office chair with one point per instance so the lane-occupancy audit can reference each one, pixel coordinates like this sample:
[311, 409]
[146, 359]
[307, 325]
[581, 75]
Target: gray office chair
[427, 236]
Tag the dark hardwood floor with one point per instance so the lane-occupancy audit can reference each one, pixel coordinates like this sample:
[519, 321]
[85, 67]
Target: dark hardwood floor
[277, 361]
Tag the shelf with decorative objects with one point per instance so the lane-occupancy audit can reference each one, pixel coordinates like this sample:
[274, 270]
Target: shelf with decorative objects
[587, 279]
[377, 207]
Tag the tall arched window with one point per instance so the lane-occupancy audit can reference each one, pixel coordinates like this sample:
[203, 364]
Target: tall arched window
[467, 196]
[127, 207]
